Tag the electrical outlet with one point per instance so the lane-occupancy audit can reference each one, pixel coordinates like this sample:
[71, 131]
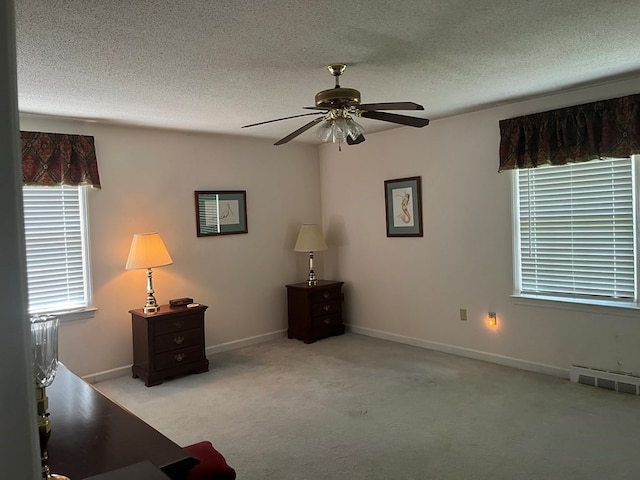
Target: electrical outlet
[463, 314]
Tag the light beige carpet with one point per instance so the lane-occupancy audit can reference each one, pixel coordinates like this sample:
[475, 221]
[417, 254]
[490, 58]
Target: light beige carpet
[354, 407]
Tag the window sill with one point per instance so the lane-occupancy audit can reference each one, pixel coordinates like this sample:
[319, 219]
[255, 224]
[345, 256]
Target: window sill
[71, 315]
[624, 309]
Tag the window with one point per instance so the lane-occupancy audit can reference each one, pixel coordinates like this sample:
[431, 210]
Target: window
[576, 231]
[57, 249]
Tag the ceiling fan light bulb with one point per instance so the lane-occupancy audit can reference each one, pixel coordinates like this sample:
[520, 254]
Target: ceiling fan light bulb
[341, 124]
[338, 135]
[354, 129]
[338, 130]
[325, 130]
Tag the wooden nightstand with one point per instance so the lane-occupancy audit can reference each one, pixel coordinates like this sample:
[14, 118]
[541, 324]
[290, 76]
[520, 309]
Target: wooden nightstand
[315, 312]
[168, 343]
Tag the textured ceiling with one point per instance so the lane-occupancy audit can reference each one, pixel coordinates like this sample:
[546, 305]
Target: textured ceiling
[214, 66]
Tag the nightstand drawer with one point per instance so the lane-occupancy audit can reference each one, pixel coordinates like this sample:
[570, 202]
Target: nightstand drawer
[327, 308]
[326, 295]
[326, 326]
[178, 324]
[179, 340]
[179, 357]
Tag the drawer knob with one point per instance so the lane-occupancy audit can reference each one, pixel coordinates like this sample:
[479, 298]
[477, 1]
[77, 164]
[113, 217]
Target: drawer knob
[327, 321]
[325, 295]
[178, 323]
[326, 308]
[179, 357]
[178, 340]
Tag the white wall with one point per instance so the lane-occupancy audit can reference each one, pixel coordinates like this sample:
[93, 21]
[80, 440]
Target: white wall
[411, 289]
[405, 289]
[148, 181]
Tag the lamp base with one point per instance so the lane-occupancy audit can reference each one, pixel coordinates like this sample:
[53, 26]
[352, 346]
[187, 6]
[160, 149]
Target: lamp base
[151, 306]
[44, 430]
[151, 309]
[312, 280]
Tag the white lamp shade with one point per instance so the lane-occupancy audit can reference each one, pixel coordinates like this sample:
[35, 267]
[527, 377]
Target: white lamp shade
[310, 239]
[147, 251]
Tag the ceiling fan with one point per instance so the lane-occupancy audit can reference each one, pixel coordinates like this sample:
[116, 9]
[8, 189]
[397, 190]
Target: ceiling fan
[337, 107]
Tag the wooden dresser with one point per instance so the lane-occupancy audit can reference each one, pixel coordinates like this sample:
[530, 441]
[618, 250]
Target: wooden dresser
[315, 312]
[168, 343]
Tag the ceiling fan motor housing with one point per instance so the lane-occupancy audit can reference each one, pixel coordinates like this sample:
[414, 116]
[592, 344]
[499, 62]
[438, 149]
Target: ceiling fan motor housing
[338, 98]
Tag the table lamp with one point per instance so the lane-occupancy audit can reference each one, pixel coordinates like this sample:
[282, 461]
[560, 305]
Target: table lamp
[148, 251]
[44, 346]
[310, 239]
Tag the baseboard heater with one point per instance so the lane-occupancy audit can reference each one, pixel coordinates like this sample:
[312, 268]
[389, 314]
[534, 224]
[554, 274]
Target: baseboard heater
[624, 382]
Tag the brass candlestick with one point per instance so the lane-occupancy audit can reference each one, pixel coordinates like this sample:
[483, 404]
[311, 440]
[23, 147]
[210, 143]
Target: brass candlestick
[44, 343]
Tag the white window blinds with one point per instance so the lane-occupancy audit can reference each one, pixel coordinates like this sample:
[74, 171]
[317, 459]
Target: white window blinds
[576, 230]
[55, 243]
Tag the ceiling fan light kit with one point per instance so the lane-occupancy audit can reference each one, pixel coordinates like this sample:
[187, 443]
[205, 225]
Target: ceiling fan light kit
[338, 127]
[339, 105]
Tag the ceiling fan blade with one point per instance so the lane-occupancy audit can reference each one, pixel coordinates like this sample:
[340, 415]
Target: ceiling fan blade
[359, 139]
[302, 129]
[399, 119]
[390, 106]
[283, 118]
[316, 108]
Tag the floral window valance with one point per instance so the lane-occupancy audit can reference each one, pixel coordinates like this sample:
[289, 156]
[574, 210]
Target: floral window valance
[52, 159]
[604, 129]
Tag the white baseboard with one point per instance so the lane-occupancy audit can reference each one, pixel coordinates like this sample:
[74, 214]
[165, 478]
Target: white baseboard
[369, 332]
[223, 347]
[463, 352]
[107, 374]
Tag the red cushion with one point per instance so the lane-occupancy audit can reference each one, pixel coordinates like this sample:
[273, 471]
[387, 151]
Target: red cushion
[212, 466]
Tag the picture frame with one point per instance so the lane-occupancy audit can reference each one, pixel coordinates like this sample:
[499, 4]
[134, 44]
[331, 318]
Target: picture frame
[403, 206]
[221, 212]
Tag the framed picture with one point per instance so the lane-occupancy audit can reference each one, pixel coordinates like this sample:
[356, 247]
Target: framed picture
[221, 212]
[403, 204]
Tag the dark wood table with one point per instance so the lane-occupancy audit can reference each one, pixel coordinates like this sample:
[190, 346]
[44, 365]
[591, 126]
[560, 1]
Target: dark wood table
[91, 434]
[138, 471]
